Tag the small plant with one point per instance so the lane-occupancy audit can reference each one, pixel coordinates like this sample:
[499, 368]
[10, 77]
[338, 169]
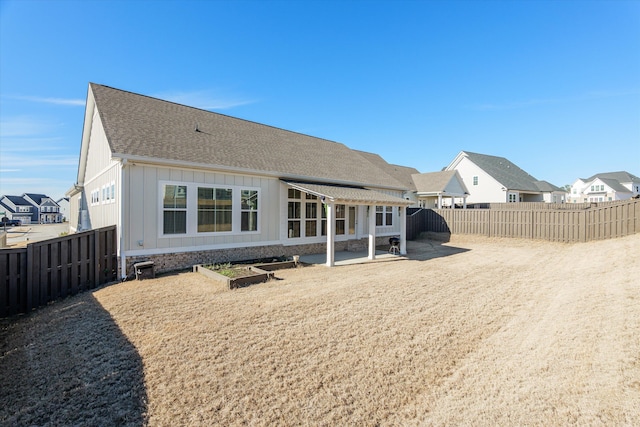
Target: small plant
[64, 233]
[225, 269]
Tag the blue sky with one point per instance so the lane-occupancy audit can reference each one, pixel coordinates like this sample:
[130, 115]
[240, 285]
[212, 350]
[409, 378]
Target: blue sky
[552, 86]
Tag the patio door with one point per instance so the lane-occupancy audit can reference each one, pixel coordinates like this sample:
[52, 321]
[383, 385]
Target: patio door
[352, 220]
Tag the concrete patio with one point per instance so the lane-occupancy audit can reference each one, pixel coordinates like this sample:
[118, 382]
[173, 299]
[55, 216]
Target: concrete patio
[347, 258]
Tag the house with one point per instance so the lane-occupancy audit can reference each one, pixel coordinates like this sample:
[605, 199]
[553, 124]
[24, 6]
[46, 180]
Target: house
[492, 179]
[64, 208]
[186, 186]
[605, 187]
[436, 190]
[46, 210]
[16, 207]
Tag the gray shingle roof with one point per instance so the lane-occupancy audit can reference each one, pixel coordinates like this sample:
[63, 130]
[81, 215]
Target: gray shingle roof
[620, 176]
[433, 182]
[400, 173]
[141, 126]
[615, 185]
[505, 172]
[349, 194]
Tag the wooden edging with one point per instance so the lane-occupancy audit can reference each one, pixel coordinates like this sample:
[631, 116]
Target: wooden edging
[260, 276]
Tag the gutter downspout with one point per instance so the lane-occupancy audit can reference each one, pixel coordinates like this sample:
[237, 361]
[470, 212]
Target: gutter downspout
[123, 258]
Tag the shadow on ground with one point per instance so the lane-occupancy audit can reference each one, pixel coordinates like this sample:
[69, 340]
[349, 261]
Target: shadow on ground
[431, 245]
[79, 370]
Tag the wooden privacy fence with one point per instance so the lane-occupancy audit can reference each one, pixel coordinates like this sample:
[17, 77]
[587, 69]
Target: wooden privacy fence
[595, 223]
[53, 269]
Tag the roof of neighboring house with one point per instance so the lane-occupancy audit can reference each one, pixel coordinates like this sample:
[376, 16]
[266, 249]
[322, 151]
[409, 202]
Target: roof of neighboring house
[18, 200]
[401, 173]
[547, 187]
[620, 176]
[614, 185]
[139, 127]
[505, 172]
[435, 182]
[37, 198]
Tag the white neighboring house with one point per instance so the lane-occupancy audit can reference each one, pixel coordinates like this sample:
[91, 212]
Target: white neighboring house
[436, 190]
[605, 187]
[187, 186]
[64, 208]
[492, 179]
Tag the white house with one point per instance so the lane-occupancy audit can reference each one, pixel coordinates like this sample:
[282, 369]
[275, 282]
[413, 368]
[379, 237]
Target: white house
[186, 186]
[605, 187]
[64, 208]
[492, 179]
[436, 190]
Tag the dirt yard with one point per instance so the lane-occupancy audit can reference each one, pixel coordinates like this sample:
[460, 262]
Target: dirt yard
[475, 331]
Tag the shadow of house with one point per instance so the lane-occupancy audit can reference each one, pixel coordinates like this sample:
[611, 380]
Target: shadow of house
[70, 364]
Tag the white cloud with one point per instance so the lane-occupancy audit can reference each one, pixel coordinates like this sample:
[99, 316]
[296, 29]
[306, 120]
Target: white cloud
[19, 126]
[56, 101]
[203, 99]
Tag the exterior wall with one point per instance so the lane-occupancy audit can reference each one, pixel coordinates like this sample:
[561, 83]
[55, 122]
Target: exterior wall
[142, 222]
[488, 189]
[101, 182]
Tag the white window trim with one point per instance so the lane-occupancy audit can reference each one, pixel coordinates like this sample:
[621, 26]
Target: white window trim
[192, 209]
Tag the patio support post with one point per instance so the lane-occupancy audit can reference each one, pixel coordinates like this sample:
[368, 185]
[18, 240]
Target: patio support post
[403, 230]
[439, 201]
[372, 232]
[464, 202]
[330, 234]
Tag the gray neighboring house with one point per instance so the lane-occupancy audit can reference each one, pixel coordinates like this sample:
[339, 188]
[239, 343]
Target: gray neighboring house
[493, 179]
[186, 186]
[16, 207]
[46, 210]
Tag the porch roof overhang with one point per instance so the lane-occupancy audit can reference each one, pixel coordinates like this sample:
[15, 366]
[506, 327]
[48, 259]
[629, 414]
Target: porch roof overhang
[440, 193]
[348, 195]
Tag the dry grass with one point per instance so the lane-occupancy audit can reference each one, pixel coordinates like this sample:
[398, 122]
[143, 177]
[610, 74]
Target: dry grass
[473, 332]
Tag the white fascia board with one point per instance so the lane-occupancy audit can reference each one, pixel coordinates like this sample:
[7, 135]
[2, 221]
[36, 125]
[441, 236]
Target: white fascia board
[86, 134]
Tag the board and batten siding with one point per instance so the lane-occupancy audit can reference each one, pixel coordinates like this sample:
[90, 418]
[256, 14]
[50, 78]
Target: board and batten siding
[143, 211]
[102, 172]
[487, 190]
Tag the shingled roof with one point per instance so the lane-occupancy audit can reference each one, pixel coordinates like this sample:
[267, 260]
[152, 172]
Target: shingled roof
[142, 127]
[507, 173]
[620, 176]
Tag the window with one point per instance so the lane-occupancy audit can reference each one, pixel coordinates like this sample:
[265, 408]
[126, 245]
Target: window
[113, 191]
[602, 188]
[249, 210]
[214, 209]
[475, 180]
[513, 197]
[340, 219]
[174, 205]
[384, 216]
[311, 215]
[293, 214]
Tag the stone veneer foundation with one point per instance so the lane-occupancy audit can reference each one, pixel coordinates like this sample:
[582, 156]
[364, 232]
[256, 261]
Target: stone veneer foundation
[186, 260]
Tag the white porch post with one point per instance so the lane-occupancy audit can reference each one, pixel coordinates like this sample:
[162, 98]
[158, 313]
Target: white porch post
[403, 230]
[372, 232]
[464, 202]
[330, 235]
[439, 201]
[453, 202]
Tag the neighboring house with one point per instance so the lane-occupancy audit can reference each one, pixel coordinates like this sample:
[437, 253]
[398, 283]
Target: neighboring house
[605, 187]
[64, 208]
[185, 186]
[492, 179]
[46, 209]
[16, 207]
[440, 189]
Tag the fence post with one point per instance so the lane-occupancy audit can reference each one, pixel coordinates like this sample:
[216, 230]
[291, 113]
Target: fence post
[30, 282]
[96, 258]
